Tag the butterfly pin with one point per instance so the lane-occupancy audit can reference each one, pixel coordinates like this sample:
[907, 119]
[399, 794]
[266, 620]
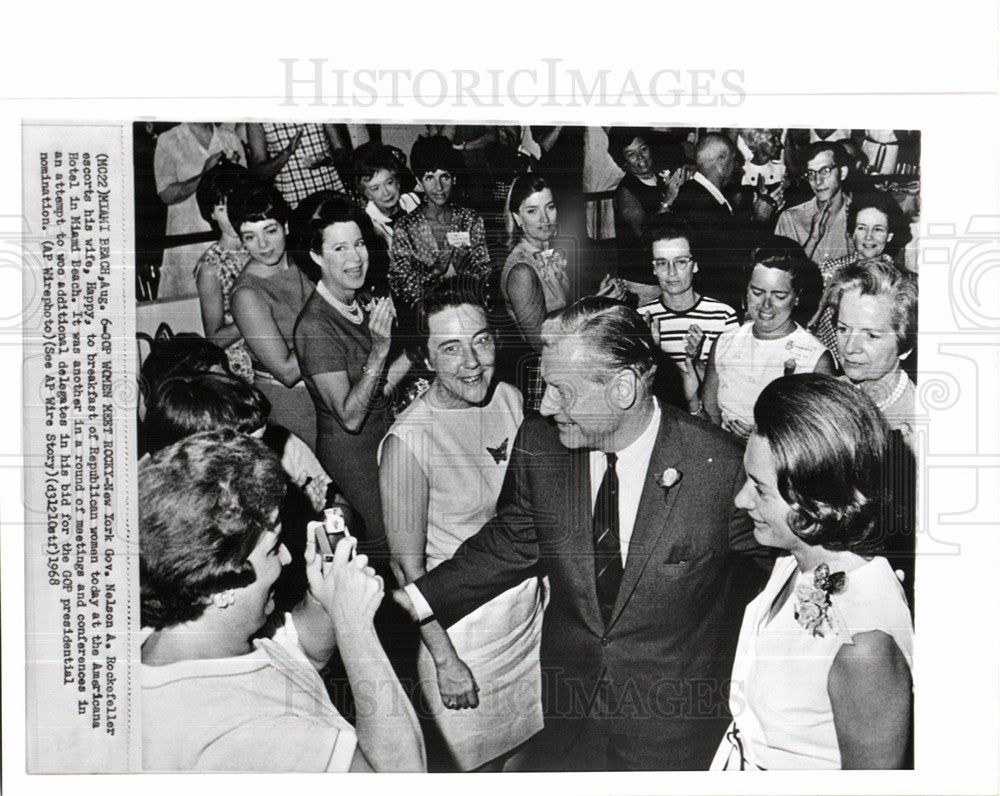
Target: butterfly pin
[499, 453]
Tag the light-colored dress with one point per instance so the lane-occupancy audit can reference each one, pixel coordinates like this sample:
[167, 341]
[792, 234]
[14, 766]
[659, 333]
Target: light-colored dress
[550, 268]
[179, 156]
[783, 716]
[746, 365]
[464, 455]
[228, 264]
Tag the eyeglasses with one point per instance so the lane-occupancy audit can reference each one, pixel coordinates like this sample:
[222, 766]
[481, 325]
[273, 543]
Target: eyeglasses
[812, 175]
[679, 263]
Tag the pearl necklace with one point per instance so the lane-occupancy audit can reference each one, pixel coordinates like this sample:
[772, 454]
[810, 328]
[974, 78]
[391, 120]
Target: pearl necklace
[352, 311]
[894, 396]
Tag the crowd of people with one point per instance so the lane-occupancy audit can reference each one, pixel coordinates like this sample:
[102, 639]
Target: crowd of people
[641, 504]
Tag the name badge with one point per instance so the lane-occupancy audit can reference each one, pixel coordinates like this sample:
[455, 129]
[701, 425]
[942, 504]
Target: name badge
[459, 239]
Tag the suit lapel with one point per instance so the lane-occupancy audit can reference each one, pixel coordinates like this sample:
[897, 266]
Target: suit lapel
[655, 506]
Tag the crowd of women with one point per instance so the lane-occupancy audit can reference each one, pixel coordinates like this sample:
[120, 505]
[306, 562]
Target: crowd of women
[381, 340]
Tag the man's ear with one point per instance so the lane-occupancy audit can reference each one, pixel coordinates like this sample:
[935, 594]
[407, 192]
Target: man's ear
[843, 173]
[624, 389]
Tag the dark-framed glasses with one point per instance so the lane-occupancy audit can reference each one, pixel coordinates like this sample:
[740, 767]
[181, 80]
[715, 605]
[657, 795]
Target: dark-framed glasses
[812, 175]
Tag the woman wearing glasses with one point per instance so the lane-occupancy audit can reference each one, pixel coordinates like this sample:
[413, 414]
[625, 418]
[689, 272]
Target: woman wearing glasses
[685, 322]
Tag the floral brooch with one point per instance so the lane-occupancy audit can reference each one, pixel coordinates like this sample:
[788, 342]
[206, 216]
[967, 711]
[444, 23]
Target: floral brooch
[812, 607]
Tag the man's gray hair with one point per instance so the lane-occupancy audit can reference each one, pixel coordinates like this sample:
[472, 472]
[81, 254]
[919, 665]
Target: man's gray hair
[617, 335]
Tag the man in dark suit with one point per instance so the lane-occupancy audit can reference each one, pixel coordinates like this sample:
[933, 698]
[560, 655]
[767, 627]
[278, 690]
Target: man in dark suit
[627, 506]
[725, 233]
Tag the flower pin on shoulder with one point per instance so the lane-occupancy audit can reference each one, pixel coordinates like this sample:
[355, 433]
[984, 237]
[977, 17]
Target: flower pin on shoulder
[812, 607]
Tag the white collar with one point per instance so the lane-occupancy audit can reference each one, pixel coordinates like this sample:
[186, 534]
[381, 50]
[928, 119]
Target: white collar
[640, 449]
[710, 187]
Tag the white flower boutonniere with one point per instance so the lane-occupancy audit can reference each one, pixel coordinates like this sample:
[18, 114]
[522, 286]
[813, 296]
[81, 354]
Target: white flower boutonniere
[669, 477]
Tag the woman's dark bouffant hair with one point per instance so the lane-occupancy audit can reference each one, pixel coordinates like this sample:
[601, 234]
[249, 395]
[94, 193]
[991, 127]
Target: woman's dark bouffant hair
[432, 153]
[829, 443]
[313, 215]
[186, 404]
[217, 185]
[257, 202]
[204, 503]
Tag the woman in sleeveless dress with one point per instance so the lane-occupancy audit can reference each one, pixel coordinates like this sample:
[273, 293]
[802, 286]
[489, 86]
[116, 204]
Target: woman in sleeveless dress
[266, 300]
[781, 284]
[442, 465]
[822, 675]
[345, 352]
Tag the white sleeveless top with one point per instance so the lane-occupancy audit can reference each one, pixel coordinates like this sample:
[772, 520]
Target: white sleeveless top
[746, 365]
[779, 697]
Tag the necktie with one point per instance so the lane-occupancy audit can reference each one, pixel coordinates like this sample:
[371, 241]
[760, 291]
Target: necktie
[607, 542]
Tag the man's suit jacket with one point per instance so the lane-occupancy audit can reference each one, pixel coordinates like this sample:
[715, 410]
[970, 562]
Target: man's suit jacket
[651, 686]
[722, 245]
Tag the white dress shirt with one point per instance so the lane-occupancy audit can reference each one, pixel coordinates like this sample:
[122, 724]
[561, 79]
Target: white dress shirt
[633, 462]
[702, 180]
[632, 467]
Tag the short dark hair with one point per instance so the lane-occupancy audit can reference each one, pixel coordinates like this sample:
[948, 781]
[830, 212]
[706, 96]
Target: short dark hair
[431, 153]
[216, 185]
[840, 156]
[204, 503]
[880, 279]
[621, 137]
[777, 251]
[452, 292]
[875, 200]
[183, 354]
[185, 405]
[664, 226]
[829, 443]
[313, 215]
[258, 202]
[616, 333]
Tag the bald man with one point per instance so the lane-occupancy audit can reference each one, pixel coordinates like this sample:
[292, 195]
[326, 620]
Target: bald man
[724, 236]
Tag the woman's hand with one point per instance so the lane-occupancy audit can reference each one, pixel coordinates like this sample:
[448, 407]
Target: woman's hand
[380, 323]
[305, 470]
[211, 161]
[611, 288]
[457, 685]
[738, 428]
[672, 187]
[348, 589]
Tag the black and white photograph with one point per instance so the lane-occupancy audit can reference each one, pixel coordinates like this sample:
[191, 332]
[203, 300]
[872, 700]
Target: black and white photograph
[591, 417]
[491, 380]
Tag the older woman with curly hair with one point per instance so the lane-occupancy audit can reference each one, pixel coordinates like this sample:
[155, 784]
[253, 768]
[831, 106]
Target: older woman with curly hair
[874, 306]
[822, 674]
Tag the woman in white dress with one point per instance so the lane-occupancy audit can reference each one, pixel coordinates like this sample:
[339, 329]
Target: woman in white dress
[441, 468]
[781, 284]
[822, 675]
